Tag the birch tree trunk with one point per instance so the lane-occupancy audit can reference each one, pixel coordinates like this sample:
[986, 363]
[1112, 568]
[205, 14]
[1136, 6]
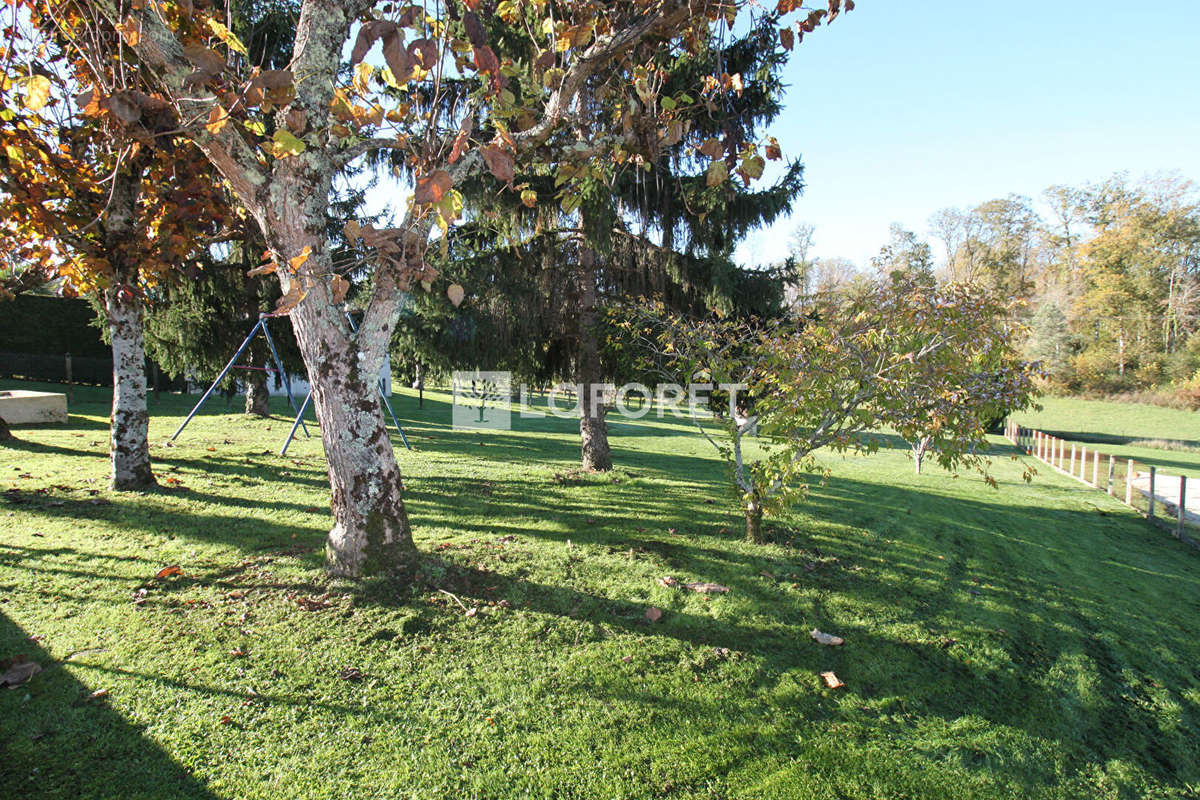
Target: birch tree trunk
[371, 533]
[128, 448]
[128, 445]
[918, 450]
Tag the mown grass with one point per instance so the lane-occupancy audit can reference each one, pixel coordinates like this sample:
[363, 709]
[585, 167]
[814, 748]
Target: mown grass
[1036, 641]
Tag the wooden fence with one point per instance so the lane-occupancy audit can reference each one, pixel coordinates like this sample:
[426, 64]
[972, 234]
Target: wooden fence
[1161, 499]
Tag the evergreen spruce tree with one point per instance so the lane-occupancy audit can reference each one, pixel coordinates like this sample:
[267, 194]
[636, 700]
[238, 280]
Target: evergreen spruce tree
[656, 225]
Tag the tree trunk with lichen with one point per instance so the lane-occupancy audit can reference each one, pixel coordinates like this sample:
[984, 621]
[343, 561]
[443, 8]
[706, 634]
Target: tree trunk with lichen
[371, 533]
[593, 428]
[258, 397]
[129, 447]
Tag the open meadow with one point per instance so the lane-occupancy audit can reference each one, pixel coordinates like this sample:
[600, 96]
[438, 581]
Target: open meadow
[1032, 641]
[1166, 437]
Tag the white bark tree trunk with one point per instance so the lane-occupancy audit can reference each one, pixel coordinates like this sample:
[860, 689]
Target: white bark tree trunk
[128, 445]
[129, 448]
[919, 448]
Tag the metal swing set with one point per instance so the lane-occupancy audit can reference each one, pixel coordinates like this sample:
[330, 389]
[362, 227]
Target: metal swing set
[261, 326]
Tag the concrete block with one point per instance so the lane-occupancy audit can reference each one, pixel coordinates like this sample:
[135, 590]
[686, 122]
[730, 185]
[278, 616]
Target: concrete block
[19, 407]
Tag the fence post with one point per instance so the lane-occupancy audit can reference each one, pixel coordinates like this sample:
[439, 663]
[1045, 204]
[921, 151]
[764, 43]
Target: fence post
[70, 382]
[1129, 483]
[1096, 469]
[1072, 470]
[1112, 461]
[1182, 506]
[1038, 442]
[1082, 462]
[1150, 515]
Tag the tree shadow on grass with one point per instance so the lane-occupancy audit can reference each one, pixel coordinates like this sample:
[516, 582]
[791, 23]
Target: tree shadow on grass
[53, 738]
[1030, 592]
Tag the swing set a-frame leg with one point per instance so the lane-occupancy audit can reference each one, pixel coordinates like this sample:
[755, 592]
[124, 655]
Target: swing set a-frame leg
[220, 378]
[287, 384]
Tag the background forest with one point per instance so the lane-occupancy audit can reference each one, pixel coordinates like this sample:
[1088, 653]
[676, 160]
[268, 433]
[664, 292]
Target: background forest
[1108, 272]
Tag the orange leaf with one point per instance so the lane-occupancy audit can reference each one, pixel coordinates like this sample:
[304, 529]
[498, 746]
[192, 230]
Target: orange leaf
[832, 680]
[296, 262]
[431, 188]
[167, 572]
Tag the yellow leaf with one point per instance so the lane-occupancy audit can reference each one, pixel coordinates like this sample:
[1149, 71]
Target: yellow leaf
[362, 77]
[753, 166]
[286, 144]
[227, 36]
[529, 198]
[37, 91]
[131, 30]
[455, 293]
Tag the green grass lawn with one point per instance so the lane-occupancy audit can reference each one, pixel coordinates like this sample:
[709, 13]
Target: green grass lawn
[1036, 641]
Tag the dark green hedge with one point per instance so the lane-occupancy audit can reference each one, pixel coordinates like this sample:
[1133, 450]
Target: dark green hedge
[50, 326]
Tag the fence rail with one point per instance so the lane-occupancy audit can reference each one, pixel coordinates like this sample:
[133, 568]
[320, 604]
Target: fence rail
[1165, 500]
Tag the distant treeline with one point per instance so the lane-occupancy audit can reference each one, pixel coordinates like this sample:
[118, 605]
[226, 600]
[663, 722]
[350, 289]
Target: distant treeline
[1109, 273]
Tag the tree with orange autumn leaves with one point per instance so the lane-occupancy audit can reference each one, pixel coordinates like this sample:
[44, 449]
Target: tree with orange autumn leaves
[463, 88]
[98, 190]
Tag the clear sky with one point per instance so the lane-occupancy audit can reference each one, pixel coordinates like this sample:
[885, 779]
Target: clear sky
[901, 108]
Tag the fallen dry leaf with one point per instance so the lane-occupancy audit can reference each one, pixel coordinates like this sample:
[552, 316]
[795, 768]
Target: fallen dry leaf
[707, 588]
[653, 614]
[827, 638]
[351, 674]
[19, 673]
[627, 659]
[167, 572]
[312, 603]
[99, 694]
[832, 680]
[472, 611]
[667, 581]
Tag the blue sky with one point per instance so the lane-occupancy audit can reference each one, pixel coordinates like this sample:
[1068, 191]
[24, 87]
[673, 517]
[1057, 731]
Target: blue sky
[902, 108]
